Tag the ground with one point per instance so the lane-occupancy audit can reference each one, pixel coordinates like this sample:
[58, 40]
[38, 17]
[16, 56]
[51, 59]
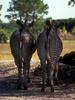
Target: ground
[8, 83]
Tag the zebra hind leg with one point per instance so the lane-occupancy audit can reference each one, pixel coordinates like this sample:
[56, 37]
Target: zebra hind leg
[43, 65]
[19, 81]
[48, 74]
[51, 77]
[24, 77]
[28, 74]
[56, 74]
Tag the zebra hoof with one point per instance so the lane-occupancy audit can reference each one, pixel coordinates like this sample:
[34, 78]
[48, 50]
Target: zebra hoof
[42, 89]
[52, 89]
[18, 87]
[28, 80]
[48, 83]
[25, 88]
[56, 83]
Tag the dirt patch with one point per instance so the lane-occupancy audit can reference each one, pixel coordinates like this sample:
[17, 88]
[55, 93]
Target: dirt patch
[8, 83]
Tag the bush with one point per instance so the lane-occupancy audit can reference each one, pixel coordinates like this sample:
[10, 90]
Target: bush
[68, 58]
[3, 38]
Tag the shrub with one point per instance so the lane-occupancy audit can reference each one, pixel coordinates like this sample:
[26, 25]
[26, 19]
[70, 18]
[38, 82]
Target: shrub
[68, 58]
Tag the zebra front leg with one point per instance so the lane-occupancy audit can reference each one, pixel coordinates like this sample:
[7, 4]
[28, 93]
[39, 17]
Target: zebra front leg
[43, 65]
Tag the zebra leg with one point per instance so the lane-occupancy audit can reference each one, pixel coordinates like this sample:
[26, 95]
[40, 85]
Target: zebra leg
[24, 77]
[19, 67]
[43, 65]
[51, 77]
[56, 74]
[28, 74]
[48, 74]
[19, 78]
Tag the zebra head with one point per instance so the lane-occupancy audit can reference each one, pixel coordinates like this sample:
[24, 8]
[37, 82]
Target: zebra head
[25, 35]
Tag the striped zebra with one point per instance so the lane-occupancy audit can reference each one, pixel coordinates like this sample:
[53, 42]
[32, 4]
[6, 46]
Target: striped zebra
[22, 47]
[49, 48]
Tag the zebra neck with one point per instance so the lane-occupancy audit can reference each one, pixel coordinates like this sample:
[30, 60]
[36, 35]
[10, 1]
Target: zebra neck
[48, 31]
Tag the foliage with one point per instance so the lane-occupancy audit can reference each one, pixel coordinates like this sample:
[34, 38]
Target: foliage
[68, 58]
[3, 38]
[28, 10]
[64, 29]
[7, 28]
[71, 2]
[73, 30]
[25, 9]
[68, 24]
[0, 8]
[38, 27]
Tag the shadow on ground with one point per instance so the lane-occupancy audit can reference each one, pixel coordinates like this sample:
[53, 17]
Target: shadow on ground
[8, 84]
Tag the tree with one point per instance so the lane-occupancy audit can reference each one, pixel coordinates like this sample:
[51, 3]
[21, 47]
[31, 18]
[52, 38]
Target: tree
[3, 38]
[28, 10]
[71, 2]
[0, 8]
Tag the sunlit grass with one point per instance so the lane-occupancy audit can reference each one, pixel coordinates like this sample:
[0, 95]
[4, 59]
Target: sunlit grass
[68, 46]
[5, 52]
[69, 42]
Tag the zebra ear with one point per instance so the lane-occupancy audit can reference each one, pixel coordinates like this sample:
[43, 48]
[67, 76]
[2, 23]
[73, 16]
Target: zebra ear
[19, 22]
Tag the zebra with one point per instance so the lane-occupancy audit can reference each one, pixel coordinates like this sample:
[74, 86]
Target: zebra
[22, 47]
[49, 48]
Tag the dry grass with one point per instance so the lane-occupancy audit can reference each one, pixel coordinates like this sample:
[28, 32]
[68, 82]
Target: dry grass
[5, 53]
[8, 83]
[68, 46]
